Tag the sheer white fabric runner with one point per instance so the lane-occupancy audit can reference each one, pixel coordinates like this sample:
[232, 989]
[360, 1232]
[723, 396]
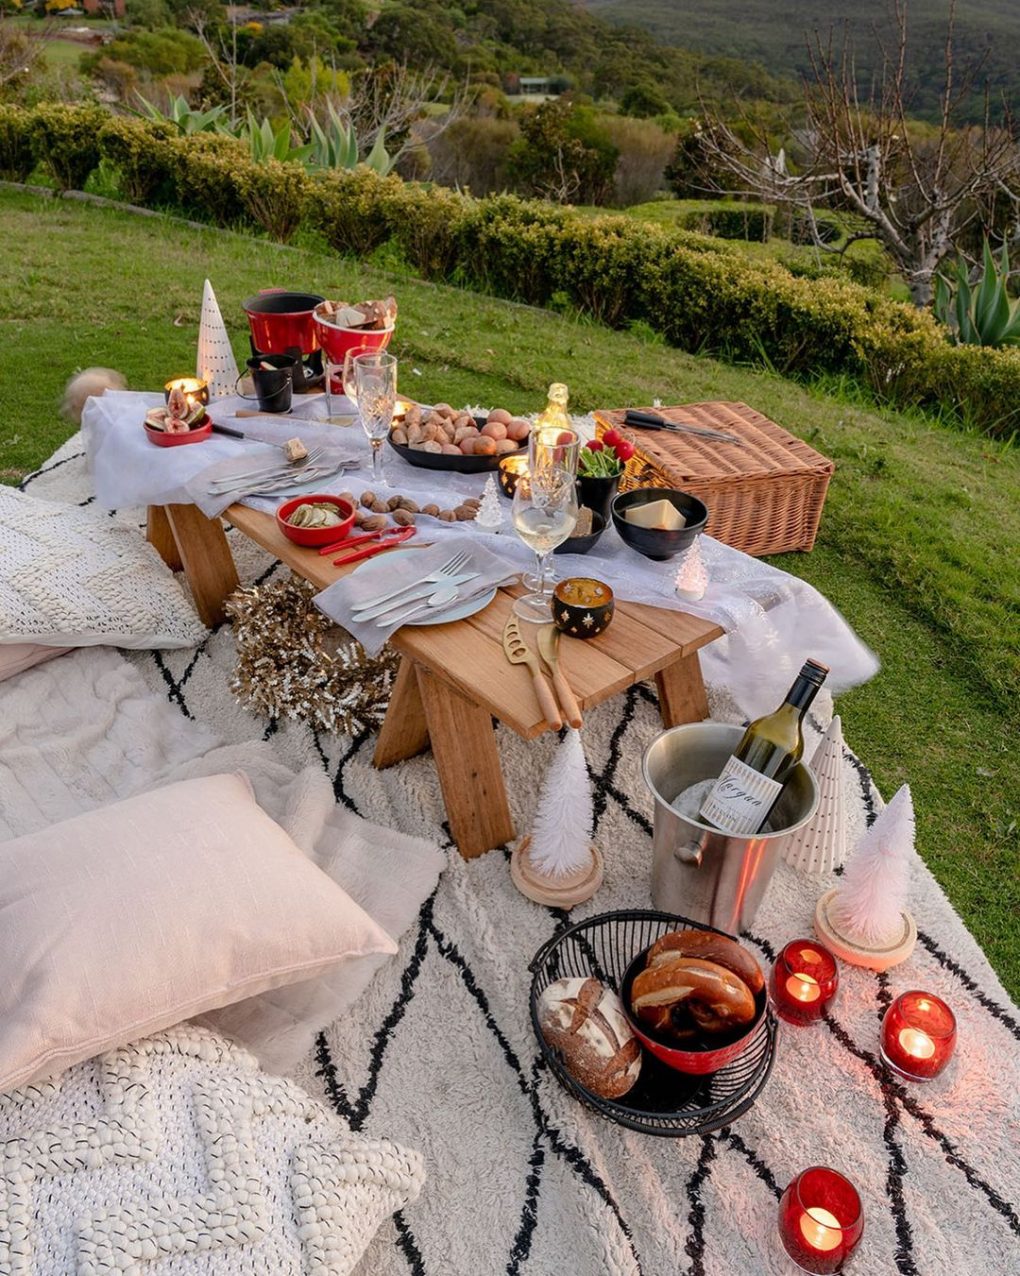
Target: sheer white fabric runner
[773, 621]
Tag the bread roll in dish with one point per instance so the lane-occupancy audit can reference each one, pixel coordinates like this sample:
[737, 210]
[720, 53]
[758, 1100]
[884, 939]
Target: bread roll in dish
[709, 946]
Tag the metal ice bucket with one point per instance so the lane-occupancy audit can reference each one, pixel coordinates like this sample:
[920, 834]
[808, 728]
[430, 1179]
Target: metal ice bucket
[696, 870]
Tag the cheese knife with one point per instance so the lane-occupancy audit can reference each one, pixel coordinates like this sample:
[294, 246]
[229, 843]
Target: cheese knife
[649, 421]
[519, 653]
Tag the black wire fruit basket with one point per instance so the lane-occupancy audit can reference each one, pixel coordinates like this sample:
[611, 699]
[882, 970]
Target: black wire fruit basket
[663, 1101]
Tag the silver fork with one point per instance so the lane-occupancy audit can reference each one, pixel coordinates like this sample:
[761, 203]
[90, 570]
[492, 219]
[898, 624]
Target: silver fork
[449, 568]
[261, 472]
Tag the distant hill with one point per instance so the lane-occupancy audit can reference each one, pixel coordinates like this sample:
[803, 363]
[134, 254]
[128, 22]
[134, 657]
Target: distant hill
[775, 33]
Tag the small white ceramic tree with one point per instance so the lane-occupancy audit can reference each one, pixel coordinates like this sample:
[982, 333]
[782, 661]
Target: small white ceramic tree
[215, 363]
[691, 578]
[865, 919]
[557, 864]
[490, 514]
[820, 845]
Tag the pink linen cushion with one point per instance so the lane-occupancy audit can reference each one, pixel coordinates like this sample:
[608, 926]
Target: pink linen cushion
[17, 656]
[128, 919]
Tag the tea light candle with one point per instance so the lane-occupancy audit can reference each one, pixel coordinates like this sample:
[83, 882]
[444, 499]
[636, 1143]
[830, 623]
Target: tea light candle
[804, 982]
[196, 390]
[918, 1035]
[820, 1220]
[511, 468]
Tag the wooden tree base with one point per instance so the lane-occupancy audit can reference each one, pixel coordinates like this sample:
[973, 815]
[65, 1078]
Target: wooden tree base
[880, 957]
[557, 892]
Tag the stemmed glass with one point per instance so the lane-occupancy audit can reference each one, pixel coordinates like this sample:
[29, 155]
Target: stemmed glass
[550, 446]
[340, 381]
[544, 514]
[375, 382]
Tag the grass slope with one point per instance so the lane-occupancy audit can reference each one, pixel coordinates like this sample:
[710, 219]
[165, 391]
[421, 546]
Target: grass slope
[776, 34]
[919, 543]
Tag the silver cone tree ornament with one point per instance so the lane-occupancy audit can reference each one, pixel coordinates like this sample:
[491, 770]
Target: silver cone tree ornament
[820, 845]
[215, 364]
[864, 919]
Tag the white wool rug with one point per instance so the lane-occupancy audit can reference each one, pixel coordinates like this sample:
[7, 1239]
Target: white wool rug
[438, 1054]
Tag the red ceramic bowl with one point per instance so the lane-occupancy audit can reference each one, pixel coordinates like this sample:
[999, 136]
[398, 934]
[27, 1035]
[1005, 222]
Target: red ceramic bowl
[195, 435]
[699, 1063]
[315, 536]
[335, 342]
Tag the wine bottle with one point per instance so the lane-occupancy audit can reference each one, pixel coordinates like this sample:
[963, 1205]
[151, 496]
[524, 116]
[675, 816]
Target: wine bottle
[751, 782]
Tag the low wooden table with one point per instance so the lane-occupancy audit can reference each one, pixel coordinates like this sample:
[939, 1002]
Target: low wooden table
[454, 679]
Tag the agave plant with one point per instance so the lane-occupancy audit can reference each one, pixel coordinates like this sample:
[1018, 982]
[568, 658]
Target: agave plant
[984, 315]
[181, 114]
[266, 143]
[336, 145]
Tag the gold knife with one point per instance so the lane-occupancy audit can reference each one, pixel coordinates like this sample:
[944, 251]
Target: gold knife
[519, 653]
[548, 646]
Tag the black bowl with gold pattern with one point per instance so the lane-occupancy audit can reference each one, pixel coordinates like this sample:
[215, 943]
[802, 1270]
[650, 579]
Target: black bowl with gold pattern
[582, 606]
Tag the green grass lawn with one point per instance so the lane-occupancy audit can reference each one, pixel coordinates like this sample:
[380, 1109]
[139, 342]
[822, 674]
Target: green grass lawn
[919, 547]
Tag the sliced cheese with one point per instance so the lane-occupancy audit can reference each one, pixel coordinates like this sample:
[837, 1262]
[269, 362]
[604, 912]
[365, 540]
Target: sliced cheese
[661, 516]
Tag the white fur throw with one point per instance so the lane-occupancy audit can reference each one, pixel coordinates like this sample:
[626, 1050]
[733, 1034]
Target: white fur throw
[178, 1150]
[72, 577]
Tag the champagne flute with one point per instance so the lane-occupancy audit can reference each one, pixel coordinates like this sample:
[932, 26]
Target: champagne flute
[550, 446]
[375, 379]
[544, 514]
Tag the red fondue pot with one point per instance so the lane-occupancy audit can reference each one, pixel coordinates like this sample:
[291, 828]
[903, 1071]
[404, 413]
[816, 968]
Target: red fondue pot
[281, 320]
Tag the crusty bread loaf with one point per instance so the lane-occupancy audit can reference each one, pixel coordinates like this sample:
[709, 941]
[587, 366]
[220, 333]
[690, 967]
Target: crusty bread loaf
[584, 1021]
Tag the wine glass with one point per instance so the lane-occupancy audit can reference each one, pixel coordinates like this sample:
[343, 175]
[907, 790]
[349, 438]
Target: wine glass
[375, 381]
[544, 514]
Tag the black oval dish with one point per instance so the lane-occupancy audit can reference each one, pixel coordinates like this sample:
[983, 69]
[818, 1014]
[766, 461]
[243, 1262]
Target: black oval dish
[447, 461]
[655, 544]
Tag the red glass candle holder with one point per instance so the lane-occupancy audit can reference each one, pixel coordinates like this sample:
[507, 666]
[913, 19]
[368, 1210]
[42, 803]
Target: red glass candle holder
[821, 1220]
[918, 1035]
[804, 982]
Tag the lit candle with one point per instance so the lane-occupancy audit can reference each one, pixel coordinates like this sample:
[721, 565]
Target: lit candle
[196, 390]
[918, 1035]
[821, 1220]
[804, 982]
[820, 1229]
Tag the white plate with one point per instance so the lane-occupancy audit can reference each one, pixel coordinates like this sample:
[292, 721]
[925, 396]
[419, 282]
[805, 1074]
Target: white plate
[456, 611]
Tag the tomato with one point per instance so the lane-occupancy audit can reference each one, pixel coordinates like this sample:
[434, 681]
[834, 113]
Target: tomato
[624, 450]
[596, 445]
[611, 438]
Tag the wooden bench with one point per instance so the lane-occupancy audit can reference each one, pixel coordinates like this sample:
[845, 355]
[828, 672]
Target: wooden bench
[454, 679]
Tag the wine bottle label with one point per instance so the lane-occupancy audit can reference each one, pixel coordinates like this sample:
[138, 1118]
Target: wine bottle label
[740, 800]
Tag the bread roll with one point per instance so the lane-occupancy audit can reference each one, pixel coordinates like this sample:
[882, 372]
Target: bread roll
[716, 998]
[711, 947]
[584, 1021]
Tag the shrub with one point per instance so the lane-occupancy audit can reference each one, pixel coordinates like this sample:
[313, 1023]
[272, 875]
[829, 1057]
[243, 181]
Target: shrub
[17, 158]
[208, 170]
[473, 153]
[350, 209]
[428, 225]
[643, 151]
[274, 196]
[143, 156]
[66, 140]
[752, 222]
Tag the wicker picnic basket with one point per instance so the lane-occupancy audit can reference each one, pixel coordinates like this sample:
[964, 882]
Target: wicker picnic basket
[764, 497]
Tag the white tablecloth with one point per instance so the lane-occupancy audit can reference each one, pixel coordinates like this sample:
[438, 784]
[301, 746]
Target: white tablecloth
[773, 620]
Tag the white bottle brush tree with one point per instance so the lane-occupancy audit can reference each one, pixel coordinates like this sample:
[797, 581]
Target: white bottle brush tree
[871, 897]
[561, 833]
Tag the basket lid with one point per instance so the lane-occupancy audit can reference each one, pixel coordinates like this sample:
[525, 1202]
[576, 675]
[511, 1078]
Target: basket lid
[768, 450]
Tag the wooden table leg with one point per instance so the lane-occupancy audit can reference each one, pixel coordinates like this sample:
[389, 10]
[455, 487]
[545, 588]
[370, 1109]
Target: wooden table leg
[404, 731]
[160, 536]
[206, 557]
[467, 759]
[682, 692]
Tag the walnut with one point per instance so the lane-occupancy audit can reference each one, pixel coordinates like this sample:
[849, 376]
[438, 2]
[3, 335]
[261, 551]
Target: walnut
[394, 503]
[431, 510]
[407, 504]
[368, 499]
[375, 523]
[403, 517]
[447, 516]
[464, 513]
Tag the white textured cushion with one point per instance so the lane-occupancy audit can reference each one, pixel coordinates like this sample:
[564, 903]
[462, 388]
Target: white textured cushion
[73, 577]
[175, 1154]
[135, 916]
[15, 657]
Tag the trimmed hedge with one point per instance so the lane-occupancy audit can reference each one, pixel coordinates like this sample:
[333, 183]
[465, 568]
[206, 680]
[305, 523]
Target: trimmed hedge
[750, 222]
[701, 293]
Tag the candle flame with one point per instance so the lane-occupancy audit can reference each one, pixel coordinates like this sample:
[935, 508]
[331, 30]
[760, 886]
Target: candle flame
[916, 1043]
[803, 987]
[820, 1229]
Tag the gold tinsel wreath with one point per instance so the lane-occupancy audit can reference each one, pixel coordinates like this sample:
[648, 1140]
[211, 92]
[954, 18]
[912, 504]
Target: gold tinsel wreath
[294, 663]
